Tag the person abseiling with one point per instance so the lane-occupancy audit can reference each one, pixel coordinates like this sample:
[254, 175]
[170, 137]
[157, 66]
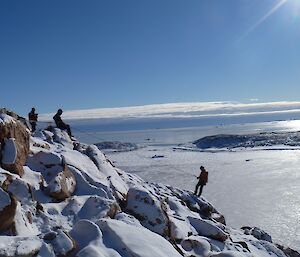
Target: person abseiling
[202, 180]
[60, 124]
[33, 117]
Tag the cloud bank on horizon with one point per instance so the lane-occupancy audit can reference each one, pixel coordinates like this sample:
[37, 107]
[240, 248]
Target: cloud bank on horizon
[182, 110]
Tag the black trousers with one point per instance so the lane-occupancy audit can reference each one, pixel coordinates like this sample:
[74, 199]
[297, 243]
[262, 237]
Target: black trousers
[65, 127]
[197, 187]
[33, 126]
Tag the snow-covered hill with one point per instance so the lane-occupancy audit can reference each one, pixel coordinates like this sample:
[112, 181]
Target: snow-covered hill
[265, 139]
[59, 197]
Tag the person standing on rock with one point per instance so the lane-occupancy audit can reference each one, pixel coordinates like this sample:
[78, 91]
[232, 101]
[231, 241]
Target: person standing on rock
[60, 124]
[202, 180]
[32, 117]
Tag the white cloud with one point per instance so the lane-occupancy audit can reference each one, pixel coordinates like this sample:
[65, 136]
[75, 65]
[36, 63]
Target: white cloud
[182, 110]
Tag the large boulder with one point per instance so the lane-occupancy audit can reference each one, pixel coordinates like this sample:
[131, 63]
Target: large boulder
[129, 240]
[62, 185]
[208, 229]
[148, 208]
[89, 240]
[12, 128]
[61, 242]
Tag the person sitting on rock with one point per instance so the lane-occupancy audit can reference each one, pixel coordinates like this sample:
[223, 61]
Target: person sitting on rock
[202, 180]
[60, 124]
[32, 117]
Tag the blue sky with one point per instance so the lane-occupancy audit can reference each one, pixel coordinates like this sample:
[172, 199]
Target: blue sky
[94, 54]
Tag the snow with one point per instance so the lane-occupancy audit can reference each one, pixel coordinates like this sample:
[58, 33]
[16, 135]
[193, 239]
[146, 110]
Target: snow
[88, 237]
[84, 163]
[19, 246]
[113, 213]
[20, 190]
[196, 245]
[22, 224]
[95, 208]
[54, 185]
[9, 151]
[137, 242]
[245, 192]
[62, 244]
[4, 118]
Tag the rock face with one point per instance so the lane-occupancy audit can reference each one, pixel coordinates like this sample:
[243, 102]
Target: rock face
[74, 202]
[12, 128]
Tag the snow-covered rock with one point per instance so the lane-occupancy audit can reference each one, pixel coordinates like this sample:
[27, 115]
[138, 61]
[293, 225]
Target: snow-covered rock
[62, 185]
[148, 209]
[195, 246]
[61, 242]
[129, 240]
[71, 201]
[14, 142]
[19, 246]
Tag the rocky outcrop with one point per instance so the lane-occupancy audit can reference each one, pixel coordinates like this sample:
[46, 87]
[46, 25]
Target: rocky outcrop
[257, 233]
[12, 128]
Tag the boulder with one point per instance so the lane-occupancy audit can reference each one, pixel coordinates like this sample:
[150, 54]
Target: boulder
[148, 208]
[208, 228]
[11, 128]
[129, 240]
[61, 242]
[89, 240]
[195, 246]
[62, 185]
[257, 233]
[97, 207]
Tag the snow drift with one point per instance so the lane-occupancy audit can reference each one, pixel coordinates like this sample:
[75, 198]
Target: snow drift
[69, 200]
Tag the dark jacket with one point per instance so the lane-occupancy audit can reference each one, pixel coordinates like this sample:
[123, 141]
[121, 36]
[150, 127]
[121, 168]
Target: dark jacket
[32, 116]
[203, 178]
[58, 121]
